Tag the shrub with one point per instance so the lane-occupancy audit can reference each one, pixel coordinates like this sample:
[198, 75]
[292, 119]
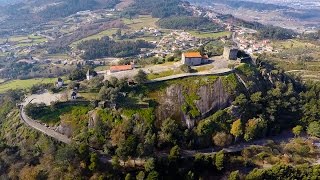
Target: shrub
[185, 68]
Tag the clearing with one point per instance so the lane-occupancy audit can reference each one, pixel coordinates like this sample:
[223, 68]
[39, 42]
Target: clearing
[24, 84]
[99, 35]
[141, 22]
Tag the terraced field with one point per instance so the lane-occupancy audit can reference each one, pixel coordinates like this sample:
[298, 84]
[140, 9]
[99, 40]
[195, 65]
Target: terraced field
[22, 41]
[108, 32]
[141, 22]
[298, 58]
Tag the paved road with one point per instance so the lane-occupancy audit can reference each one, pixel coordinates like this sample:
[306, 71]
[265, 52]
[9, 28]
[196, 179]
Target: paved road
[42, 128]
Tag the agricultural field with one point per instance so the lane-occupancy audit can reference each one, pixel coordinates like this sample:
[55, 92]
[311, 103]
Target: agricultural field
[202, 34]
[108, 32]
[23, 41]
[141, 22]
[298, 58]
[57, 56]
[89, 95]
[24, 84]
[164, 74]
[51, 116]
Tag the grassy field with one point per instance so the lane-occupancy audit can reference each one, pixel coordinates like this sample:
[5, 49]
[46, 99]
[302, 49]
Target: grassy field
[141, 22]
[133, 24]
[30, 40]
[51, 117]
[291, 44]
[101, 68]
[201, 34]
[57, 56]
[24, 84]
[108, 32]
[203, 68]
[288, 58]
[89, 96]
[164, 74]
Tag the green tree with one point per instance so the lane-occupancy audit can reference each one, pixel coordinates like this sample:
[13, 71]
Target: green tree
[185, 68]
[149, 165]
[127, 148]
[128, 177]
[234, 175]
[297, 130]
[175, 153]
[141, 77]
[77, 74]
[93, 161]
[115, 162]
[219, 161]
[314, 129]
[170, 58]
[255, 128]
[222, 139]
[65, 155]
[169, 132]
[190, 176]
[153, 175]
[140, 175]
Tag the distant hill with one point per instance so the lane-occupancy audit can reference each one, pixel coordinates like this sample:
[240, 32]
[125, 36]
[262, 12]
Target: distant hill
[20, 15]
[243, 4]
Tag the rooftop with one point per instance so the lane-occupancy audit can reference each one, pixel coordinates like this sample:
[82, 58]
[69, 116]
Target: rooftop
[121, 68]
[192, 55]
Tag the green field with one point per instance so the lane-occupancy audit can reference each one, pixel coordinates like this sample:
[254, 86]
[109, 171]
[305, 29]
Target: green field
[108, 32]
[22, 41]
[141, 22]
[291, 44]
[57, 56]
[24, 84]
[51, 117]
[101, 68]
[288, 58]
[164, 74]
[89, 96]
[201, 34]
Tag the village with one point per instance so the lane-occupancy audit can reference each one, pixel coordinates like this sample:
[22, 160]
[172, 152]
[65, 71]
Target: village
[165, 41]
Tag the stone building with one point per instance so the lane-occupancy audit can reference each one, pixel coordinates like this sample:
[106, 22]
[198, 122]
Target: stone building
[193, 58]
[230, 53]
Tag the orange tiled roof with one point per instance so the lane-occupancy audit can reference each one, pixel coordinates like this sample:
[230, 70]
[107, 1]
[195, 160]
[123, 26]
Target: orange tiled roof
[192, 55]
[121, 68]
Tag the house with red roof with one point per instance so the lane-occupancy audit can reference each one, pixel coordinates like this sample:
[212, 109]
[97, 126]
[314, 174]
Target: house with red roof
[119, 68]
[193, 58]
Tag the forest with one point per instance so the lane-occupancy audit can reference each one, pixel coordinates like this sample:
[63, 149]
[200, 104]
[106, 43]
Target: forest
[157, 8]
[105, 47]
[277, 33]
[69, 7]
[188, 22]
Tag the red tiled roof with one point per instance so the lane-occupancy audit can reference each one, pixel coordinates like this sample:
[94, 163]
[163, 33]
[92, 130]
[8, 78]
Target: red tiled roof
[192, 55]
[121, 68]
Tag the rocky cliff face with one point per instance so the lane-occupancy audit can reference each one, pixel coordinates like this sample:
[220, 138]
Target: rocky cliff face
[201, 101]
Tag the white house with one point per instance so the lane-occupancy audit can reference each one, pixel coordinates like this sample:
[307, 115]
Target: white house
[193, 58]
